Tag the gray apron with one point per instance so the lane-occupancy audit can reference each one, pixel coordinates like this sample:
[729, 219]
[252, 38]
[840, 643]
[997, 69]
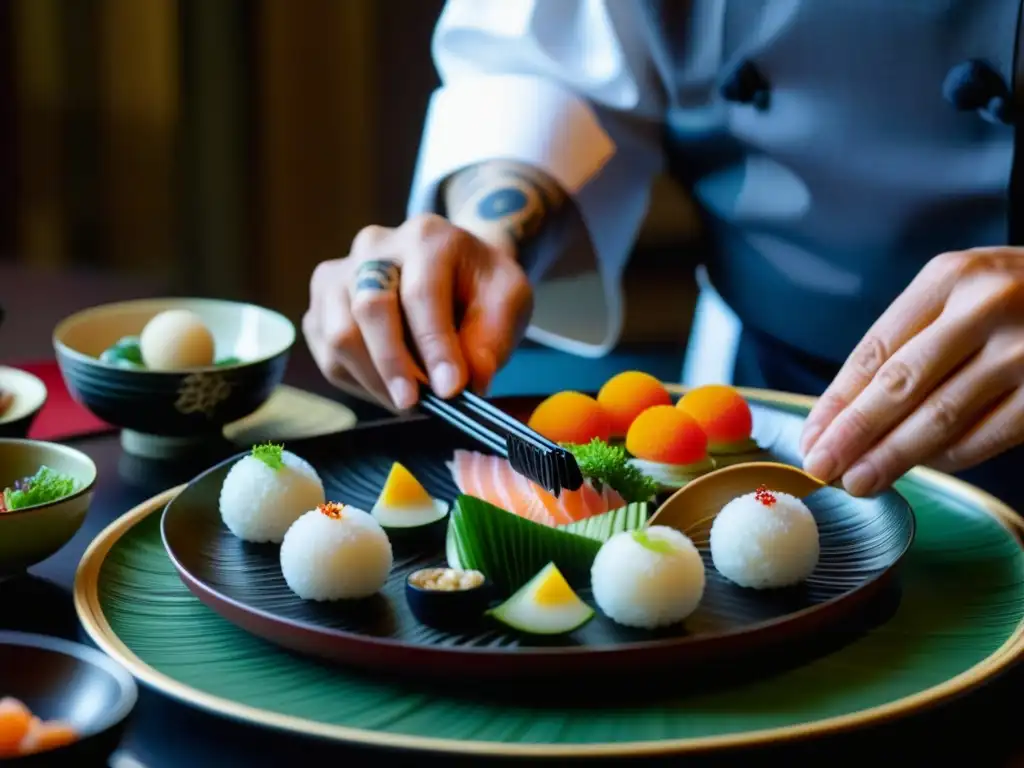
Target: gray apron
[835, 146]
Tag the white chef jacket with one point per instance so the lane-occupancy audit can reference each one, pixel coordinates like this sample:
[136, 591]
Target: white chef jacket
[870, 153]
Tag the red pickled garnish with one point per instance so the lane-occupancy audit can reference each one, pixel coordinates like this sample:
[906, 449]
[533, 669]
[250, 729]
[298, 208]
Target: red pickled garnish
[332, 509]
[765, 496]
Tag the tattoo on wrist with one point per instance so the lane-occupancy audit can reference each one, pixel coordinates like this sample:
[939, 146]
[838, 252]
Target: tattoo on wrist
[515, 197]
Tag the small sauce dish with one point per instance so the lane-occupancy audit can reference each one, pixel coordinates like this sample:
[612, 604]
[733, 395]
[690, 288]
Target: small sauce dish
[446, 598]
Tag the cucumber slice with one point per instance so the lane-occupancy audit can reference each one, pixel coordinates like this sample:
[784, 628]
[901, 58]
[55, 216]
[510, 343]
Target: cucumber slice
[409, 530]
[672, 476]
[509, 550]
[392, 517]
[741, 446]
[545, 605]
[602, 527]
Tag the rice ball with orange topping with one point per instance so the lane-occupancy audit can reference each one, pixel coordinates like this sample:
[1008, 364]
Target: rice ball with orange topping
[627, 395]
[336, 552]
[668, 445]
[570, 417]
[726, 419]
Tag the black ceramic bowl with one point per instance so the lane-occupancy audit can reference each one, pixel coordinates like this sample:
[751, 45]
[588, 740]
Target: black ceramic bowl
[168, 413]
[458, 609]
[29, 398]
[61, 680]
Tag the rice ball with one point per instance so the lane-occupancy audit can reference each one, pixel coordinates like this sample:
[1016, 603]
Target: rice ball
[336, 552]
[175, 340]
[649, 578]
[258, 502]
[765, 540]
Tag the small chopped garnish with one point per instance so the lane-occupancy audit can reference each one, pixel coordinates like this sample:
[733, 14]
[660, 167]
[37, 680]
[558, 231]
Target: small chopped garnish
[655, 545]
[269, 454]
[446, 579]
[763, 495]
[227, 361]
[332, 509]
[45, 486]
[609, 464]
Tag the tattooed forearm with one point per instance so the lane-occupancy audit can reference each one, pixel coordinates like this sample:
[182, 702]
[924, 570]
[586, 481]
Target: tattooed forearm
[503, 197]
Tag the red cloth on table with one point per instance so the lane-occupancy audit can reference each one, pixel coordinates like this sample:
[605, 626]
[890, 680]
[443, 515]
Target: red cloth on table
[61, 417]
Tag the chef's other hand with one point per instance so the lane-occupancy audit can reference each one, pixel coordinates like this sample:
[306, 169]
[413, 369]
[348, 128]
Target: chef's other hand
[937, 380]
[432, 274]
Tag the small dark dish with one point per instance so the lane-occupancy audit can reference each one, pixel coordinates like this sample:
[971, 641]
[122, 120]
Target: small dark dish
[168, 413]
[447, 609]
[29, 397]
[61, 680]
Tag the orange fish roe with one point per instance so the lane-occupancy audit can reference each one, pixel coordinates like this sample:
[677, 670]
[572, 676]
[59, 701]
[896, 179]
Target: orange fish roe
[571, 417]
[766, 497]
[332, 509]
[627, 395]
[721, 411]
[667, 435]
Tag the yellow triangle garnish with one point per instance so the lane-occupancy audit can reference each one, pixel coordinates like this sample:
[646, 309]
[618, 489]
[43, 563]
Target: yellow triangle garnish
[402, 490]
[554, 590]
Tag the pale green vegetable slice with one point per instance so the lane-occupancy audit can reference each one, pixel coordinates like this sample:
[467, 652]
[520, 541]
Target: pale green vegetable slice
[545, 605]
[602, 527]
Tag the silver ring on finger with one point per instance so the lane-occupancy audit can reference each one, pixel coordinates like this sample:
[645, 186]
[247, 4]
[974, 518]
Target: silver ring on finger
[377, 276]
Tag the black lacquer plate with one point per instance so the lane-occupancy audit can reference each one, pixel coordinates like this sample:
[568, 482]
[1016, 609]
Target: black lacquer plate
[862, 540]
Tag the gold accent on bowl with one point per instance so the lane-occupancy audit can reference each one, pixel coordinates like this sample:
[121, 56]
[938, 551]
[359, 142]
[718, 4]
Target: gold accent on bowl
[701, 499]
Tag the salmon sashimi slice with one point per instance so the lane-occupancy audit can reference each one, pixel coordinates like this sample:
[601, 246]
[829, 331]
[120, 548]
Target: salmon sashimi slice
[492, 479]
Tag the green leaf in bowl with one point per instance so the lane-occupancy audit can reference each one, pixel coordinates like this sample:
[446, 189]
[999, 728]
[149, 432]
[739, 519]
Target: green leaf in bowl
[125, 353]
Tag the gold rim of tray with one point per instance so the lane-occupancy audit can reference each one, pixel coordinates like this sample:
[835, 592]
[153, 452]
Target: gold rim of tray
[90, 613]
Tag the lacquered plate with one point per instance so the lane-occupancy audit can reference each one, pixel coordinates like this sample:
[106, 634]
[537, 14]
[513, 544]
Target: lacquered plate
[861, 543]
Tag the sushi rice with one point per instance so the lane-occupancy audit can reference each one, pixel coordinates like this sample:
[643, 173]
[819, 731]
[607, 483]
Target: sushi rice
[347, 557]
[258, 503]
[652, 586]
[765, 547]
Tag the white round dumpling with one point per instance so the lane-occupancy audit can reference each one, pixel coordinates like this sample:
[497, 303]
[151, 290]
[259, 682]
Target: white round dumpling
[175, 340]
[649, 578]
[336, 552]
[261, 498]
[765, 540]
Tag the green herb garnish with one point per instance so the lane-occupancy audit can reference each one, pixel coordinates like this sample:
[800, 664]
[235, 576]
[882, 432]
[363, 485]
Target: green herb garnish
[655, 545]
[45, 486]
[269, 454]
[609, 464]
[227, 361]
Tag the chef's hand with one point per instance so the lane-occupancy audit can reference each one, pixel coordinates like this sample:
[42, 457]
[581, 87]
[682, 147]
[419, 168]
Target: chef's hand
[424, 270]
[937, 380]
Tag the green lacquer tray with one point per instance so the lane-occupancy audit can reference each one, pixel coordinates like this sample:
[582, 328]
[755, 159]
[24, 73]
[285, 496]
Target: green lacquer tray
[959, 622]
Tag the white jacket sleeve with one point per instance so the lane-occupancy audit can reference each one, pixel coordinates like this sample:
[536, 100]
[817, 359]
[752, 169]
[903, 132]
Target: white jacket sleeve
[567, 87]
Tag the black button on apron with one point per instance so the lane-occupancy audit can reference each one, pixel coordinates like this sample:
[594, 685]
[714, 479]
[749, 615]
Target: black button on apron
[746, 85]
[976, 86]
